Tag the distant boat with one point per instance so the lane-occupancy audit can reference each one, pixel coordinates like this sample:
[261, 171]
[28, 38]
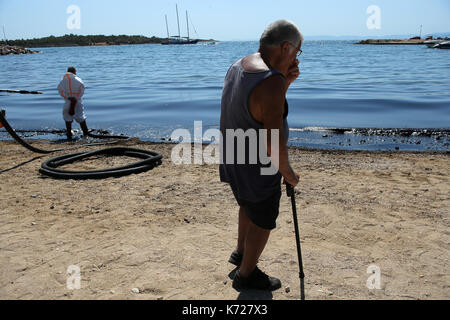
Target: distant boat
[443, 45]
[432, 43]
[178, 39]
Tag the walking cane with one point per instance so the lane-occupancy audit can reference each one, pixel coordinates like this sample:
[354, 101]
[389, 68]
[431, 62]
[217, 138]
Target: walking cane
[290, 193]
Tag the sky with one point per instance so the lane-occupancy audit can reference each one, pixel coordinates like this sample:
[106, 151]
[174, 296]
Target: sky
[221, 19]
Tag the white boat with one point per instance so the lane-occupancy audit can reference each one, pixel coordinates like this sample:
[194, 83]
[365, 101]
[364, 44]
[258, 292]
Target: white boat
[432, 43]
[443, 45]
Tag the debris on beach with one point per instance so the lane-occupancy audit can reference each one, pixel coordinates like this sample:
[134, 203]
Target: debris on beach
[135, 290]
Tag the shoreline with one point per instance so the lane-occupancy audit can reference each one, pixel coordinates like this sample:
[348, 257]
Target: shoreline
[391, 42]
[169, 231]
[412, 41]
[98, 44]
[108, 44]
[80, 141]
[419, 140]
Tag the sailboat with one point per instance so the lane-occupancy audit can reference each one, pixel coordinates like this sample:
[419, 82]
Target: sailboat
[178, 39]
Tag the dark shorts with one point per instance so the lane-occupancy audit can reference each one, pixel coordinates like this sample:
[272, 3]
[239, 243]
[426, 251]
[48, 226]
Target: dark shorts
[263, 213]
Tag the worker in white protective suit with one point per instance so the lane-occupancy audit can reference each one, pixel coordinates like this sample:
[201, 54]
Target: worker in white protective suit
[71, 88]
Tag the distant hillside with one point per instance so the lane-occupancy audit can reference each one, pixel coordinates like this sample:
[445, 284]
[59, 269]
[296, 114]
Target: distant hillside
[439, 34]
[77, 40]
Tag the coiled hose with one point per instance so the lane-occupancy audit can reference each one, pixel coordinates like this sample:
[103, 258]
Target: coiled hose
[150, 160]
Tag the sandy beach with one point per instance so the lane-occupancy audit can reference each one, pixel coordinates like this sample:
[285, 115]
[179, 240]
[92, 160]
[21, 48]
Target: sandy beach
[169, 232]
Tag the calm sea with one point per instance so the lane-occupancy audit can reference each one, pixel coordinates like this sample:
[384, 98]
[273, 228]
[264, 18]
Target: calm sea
[147, 91]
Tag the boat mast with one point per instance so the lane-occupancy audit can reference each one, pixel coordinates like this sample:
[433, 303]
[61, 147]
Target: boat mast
[4, 34]
[187, 22]
[167, 28]
[178, 21]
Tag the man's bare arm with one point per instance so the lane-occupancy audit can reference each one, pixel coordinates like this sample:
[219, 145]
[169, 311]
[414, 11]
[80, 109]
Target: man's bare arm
[269, 98]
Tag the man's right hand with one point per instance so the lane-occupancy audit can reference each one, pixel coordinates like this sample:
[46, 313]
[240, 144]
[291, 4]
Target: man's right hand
[292, 179]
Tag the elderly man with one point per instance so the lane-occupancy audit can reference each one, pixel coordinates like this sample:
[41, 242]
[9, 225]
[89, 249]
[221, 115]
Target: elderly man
[254, 97]
[71, 88]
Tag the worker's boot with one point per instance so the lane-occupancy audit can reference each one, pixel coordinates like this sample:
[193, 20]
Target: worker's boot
[69, 130]
[85, 129]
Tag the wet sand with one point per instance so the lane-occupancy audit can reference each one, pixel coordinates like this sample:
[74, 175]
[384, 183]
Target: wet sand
[169, 232]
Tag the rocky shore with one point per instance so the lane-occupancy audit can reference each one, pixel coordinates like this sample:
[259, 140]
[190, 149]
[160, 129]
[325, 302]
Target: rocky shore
[392, 41]
[411, 41]
[6, 50]
[404, 132]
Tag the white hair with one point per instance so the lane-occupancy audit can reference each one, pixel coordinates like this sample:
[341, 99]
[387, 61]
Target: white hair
[281, 31]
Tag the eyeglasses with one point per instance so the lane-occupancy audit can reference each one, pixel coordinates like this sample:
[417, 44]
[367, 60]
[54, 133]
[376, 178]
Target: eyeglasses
[299, 51]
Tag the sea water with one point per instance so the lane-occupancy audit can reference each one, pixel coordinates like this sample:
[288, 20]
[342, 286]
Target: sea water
[148, 91]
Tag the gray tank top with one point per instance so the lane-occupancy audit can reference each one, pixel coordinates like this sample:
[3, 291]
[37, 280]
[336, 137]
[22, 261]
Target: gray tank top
[245, 179]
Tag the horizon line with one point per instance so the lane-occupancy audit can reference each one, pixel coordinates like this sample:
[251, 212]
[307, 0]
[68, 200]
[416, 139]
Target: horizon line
[350, 37]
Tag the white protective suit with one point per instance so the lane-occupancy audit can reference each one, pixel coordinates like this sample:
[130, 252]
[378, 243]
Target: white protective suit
[72, 86]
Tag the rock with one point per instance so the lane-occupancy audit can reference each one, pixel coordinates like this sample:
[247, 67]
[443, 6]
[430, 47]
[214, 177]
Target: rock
[33, 223]
[135, 290]
[224, 281]
[326, 292]
[160, 298]
[287, 289]
[5, 50]
[34, 195]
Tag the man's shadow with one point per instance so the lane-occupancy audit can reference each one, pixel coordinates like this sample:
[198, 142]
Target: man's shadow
[251, 294]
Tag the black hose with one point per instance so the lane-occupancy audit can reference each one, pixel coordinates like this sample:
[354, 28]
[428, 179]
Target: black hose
[20, 91]
[150, 160]
[19, 140]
